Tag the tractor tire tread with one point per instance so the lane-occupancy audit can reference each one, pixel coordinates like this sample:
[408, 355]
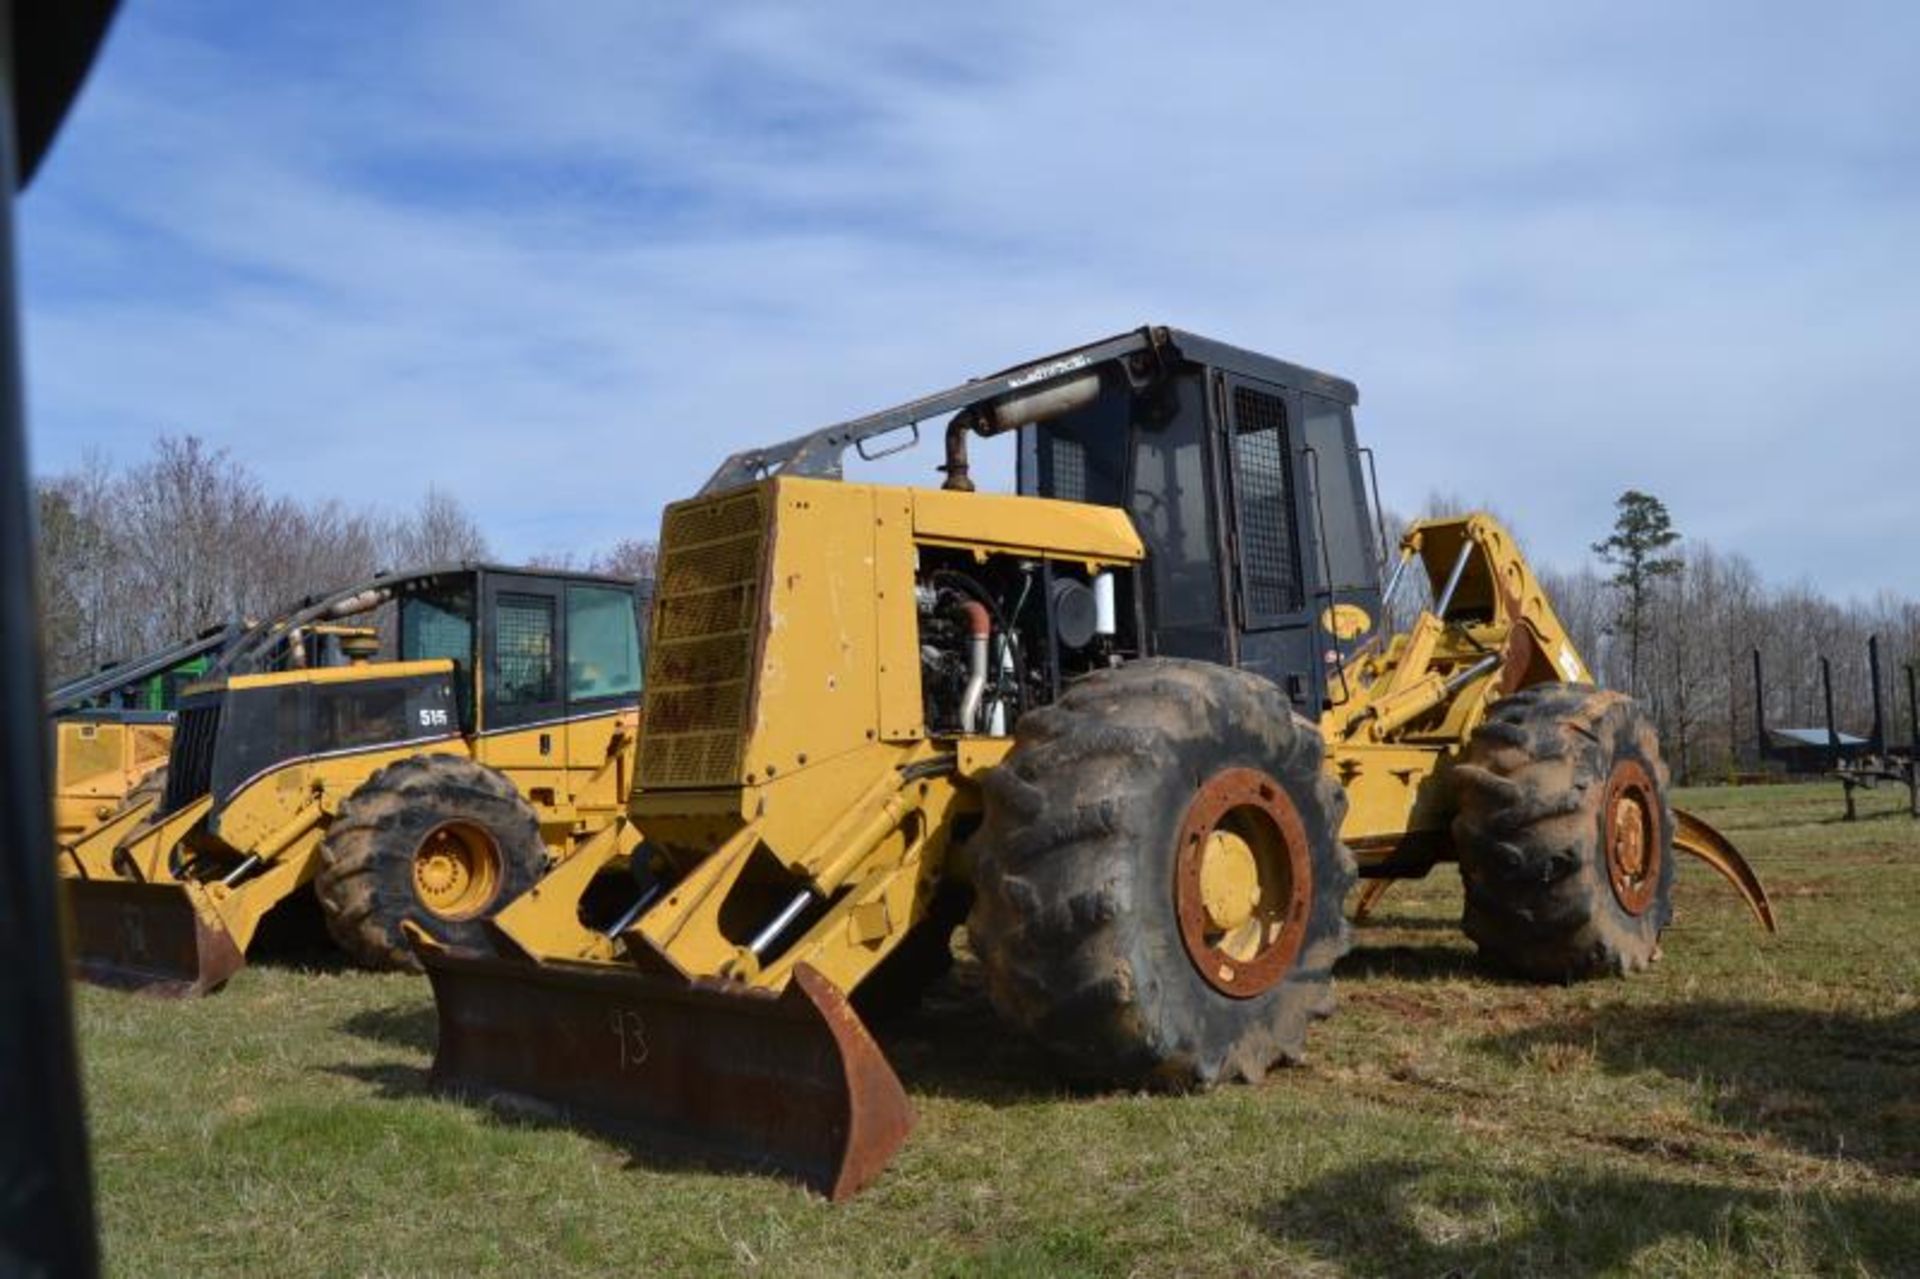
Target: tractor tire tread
[365, 880]
[1529, 834]
[1071, 919]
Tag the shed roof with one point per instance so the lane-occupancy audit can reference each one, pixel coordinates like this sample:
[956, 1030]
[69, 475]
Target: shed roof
[1811, 737]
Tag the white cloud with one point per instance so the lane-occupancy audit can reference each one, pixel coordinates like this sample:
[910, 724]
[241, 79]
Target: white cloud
[562, 265]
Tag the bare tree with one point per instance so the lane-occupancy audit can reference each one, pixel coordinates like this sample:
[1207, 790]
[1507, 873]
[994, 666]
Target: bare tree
[440, 532]
[628, 557]
[183, 517]
[131, 560]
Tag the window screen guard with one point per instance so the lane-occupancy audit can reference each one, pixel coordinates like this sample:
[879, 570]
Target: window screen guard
[523, 650]
[1263, 481]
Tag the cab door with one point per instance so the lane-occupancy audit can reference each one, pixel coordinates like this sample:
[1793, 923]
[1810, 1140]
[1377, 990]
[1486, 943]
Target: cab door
[523, 691]
[603, 676]
[1343, 543]
[1272, 590]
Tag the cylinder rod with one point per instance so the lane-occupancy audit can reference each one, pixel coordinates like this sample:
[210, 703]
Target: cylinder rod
[764, 940]
[1453, 581]
[634, 911]
[253, 859]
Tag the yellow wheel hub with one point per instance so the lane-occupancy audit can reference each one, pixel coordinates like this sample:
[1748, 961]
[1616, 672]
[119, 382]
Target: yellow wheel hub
[1242, 881]
[456, 871]
[1229, 880]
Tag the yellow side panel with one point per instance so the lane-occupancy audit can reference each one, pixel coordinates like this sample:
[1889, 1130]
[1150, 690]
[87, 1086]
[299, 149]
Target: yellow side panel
[89, 759]
[539, 752]
[272, 800]
[896, 618]
[1034, 526]
[817, 693]
[600, 753]
[1390, 789]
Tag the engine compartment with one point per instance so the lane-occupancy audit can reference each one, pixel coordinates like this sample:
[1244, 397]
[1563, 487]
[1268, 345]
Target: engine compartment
[1002, 635]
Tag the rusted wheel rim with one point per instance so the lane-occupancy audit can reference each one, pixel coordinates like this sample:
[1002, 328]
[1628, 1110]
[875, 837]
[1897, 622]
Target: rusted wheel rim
[1242, 882]
[1630, 831]
[456, 870]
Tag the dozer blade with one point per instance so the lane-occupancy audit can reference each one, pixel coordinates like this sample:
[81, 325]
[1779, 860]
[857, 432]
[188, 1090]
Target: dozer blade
[151, 938]
[1716, 850]
[704, 1070]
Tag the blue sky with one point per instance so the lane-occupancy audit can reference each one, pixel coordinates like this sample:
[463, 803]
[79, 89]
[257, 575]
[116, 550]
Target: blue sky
[559, 259]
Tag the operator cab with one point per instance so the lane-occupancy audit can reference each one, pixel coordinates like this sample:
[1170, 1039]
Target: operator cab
[1244, 479]
[527, 649]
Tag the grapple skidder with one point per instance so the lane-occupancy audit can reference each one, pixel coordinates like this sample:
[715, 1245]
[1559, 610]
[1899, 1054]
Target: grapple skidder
[427, 789]
[1138, 724]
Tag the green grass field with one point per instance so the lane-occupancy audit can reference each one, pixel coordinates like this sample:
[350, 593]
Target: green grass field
[1750, 1106]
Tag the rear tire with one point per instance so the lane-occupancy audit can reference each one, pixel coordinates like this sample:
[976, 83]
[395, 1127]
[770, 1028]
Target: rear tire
[1564, 834]
[438, 840]
[1114, 803]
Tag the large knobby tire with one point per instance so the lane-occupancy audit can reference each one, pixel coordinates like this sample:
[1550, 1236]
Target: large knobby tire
[1564, 834]
[438, 840]
[1115, 806]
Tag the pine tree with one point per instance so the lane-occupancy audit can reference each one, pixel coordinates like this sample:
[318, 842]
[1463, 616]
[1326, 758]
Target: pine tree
[1642, 530]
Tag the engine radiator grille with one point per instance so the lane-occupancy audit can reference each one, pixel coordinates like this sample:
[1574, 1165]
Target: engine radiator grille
[190, 766]
[706, 607]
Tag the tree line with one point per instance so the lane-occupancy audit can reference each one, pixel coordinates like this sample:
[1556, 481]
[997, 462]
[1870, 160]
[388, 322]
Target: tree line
[134, 558]
[1674, 621]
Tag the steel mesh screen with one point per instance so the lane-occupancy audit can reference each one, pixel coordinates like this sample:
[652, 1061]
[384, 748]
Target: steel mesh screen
[1066, 475]
[190, 765]
[1269, 553]
[523, 644]
[700, 664]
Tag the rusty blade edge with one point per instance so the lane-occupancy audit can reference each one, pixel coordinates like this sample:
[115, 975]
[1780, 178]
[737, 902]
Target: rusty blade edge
[108, 917]
[726, 1075]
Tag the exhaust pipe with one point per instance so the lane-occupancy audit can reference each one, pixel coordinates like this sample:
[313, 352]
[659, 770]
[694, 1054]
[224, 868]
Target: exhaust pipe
[1010, 412]
[979, 631]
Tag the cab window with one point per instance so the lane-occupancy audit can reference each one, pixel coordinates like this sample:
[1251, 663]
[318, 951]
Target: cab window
[603, 643]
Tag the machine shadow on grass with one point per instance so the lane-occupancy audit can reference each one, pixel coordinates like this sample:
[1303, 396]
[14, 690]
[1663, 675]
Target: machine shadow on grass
[1384, 922]
[1833, 1085]
[410, 1026]
[294, 935]
[1376, 953]
[1405, 1216]
[394, 1081]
